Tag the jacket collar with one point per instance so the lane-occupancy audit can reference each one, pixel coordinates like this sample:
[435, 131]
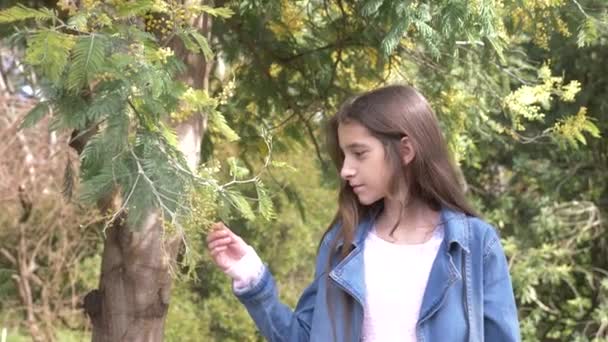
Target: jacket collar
[455, 227]
[454, 222]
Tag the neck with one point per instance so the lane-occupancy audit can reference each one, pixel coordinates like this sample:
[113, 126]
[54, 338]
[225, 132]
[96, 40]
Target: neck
[416, 216]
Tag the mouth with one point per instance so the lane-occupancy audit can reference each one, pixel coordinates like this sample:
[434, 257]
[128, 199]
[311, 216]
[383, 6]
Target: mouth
[356, 187]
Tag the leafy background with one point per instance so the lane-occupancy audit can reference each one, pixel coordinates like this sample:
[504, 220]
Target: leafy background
[519, 86]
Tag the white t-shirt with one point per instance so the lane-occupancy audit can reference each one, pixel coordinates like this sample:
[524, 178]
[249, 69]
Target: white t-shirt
[395, 278]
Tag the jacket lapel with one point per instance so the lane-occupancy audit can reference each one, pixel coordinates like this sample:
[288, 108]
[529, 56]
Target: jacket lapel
[348, 274]
[444, 272]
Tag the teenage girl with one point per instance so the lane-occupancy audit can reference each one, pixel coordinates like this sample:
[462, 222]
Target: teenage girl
[406, 257]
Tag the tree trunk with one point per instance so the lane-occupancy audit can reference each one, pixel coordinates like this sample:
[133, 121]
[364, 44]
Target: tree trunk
[133, 297]
[132, 301]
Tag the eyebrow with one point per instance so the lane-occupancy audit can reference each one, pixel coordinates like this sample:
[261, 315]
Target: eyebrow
[356, 145]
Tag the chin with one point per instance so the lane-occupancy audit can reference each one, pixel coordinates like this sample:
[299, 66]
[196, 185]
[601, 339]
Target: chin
[367, 200]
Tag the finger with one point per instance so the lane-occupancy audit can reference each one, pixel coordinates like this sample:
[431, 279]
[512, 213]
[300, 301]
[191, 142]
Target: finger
[220, 242]
[223, 226]
[217, 234]
[217, 250]
[219, 225]
[237, 240]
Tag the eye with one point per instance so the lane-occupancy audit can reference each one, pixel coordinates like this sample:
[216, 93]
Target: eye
[359, 154]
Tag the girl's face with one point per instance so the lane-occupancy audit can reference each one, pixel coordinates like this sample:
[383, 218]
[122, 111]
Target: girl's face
[365, 167]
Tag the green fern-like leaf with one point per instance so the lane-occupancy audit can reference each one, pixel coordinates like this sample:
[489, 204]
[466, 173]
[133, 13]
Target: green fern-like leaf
[217, 123]
[20, 12]
[106, 144]
[370, 7]
[390, 42]
[117, 130]
[189, 43]
[429, 36]
[71, 113]
[169, 135]
[451, 18]
[134, 8]
[240, 204]
[222, 12]
[587, 33]
[92, 155]
[88, 57]
[425, 30]
[423, 12]
[265, 205]
[105, 105]
[282, 165]
[49, 50]
[203, 45]
[98, 185]
[592, 129]
[237, 171]
[35, 115]
[79, 22]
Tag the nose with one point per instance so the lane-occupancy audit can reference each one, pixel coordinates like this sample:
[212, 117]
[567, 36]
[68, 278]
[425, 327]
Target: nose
[347, 172]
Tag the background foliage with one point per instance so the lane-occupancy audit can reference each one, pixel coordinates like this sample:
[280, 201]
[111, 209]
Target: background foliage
[519, 87]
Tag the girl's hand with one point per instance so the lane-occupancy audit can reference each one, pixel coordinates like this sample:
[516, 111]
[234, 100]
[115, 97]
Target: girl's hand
[225, 247]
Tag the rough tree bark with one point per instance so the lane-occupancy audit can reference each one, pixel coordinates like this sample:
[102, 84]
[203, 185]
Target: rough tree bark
[132, 300]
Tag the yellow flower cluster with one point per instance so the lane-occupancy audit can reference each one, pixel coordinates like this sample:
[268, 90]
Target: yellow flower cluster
[90, 4]
[540, 19]
[571, 128]
[570, 90]
[181, 15]
[187, 106]
[163, 53]
[130, 70]
[194, 101]
[68, 6]
[290, 20]
[227, 93]
[572, 124]
[165, 22]
[527, 101]
[161, 25]
[105, 76]
[136, 49]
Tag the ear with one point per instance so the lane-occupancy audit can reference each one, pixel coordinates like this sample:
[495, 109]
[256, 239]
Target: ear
[406, 150]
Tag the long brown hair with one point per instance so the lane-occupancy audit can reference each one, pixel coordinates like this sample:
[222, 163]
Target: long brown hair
[390, 113]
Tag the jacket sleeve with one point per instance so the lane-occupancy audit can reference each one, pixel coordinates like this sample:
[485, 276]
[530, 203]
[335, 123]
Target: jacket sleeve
[500, 312]
[275, 320]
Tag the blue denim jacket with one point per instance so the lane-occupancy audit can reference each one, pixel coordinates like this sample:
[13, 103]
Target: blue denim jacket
[468, 297]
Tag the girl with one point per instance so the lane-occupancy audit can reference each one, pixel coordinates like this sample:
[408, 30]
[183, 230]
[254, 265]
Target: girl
[406, 258]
